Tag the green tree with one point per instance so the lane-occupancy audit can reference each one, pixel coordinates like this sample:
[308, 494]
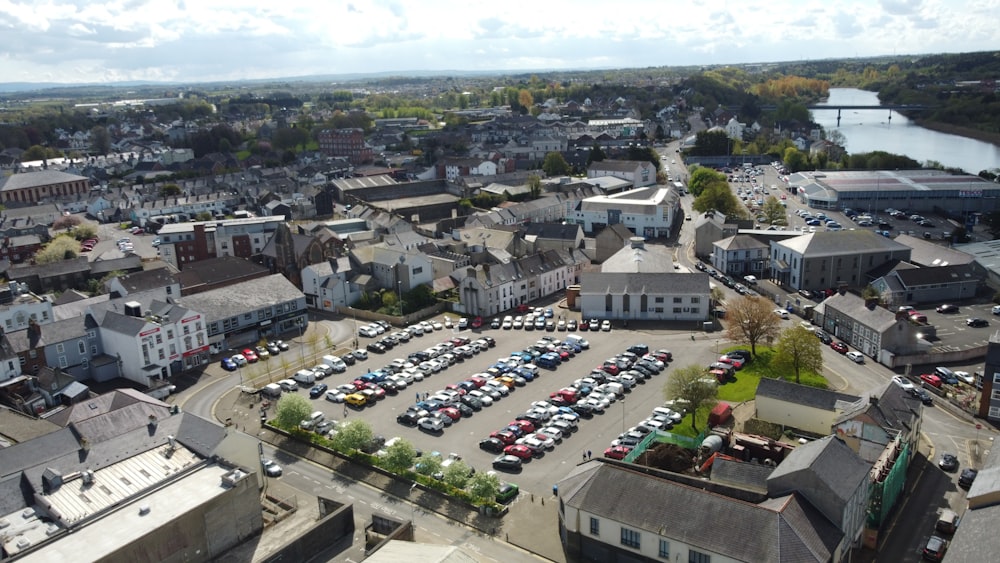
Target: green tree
[795, 159]
[798, 349]
[457, 474]
[484, 486]
[774, 212]
[170, 190]
[352, 435]
[692, 385]
[752, 321]
[702, 177]
[203, 216]
[596, 155]
[58, 249]
[719, 198]
[399, 456]
[534, 186]
[85, 231]
[555, 165]
[291, 410]
[429, 465]
[100, 140]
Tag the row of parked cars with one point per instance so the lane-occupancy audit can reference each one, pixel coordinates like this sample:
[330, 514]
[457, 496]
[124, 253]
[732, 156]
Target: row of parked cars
[251, 355]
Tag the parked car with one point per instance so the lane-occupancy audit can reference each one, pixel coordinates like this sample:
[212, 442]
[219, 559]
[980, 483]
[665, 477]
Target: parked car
[902, 382]
[967, 477]
[924, 396]
[507, 462]
[839, 347]
[931, 379]
[935, 548]
[977, 322]
[856, 357]
[228, 364]
[948, 462]
[947, 308]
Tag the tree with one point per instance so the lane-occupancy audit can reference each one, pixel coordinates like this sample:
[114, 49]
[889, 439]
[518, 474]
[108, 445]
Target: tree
[596, 155]
[525, 99]
[399, 456]
[429, 465]
[717, 197]
[774, 212]
[798, 349]
[203, 216]
[170, 190]
[291, 410]
[484, 486]
[534, 186]
[752, 321]
[692, 385]
[58, 249]
[352, 435]
[85, 231]
[457, 474]
[100, 140]
[703, 177]
[66, 222]
[555, 165]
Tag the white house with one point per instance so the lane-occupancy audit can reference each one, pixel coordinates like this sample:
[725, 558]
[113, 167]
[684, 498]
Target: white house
[647, 212]
[639, 172]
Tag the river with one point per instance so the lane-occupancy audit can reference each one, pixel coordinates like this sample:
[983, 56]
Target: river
[872, 130]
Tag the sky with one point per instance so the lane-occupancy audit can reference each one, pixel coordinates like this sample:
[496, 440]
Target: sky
[103, 41]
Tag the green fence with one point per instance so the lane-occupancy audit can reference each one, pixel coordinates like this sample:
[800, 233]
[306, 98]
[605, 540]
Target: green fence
[885, 493]
[685, 442]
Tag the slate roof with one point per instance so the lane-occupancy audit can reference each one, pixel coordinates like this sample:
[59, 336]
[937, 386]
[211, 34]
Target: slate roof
[148, 279]
[217, 270]
[126, 263]
[826, 471]
[740, 242]
[649, 259]
[778, 530]
[803, 394]
[839, 243]
[617, 165]
[40, 178]
[927, 253]
[556, 231]
[854, 307]
[47, 271]
[741, 474]
[894, 410]
[940, 275]
[243, 297]
[674, 283]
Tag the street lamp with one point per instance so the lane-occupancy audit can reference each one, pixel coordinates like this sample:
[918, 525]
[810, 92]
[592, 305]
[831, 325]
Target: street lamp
[623, 416]
[399, 295]
[302, 332]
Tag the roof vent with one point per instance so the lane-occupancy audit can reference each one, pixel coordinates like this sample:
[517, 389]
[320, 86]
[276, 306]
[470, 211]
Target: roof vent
[143, 510]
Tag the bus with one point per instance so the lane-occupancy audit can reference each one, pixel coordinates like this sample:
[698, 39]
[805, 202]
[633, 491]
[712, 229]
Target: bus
[679, 187]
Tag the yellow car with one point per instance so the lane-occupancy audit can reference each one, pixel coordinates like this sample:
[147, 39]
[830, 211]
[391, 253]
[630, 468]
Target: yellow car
[356, 399]
[507, 381]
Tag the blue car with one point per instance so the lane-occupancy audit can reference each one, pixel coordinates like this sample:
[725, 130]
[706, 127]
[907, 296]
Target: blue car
[228, 364]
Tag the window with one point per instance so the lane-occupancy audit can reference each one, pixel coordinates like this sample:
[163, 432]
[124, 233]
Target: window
[82, 347]
[60, 348]
[995, 395]
[665, 549]
[696, 300]
[697, 557]
[418, 271]
[62, 362]
[630, 538]
[677, 299]
[595, 526]
[658, 300]
[994, 411]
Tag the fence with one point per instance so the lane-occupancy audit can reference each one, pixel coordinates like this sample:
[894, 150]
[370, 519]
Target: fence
[659, 437]
[405, 320]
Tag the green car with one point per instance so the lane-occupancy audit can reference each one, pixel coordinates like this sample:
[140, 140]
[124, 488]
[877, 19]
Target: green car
[506, 492]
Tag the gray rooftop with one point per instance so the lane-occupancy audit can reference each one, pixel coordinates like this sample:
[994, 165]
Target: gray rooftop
[778, 530]
[854, 307]
[40, 178]
[802, 394]
[840, 243]
[243, 297]
[675, 283]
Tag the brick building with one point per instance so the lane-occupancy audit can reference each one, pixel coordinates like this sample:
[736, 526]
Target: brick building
[346, 143]
[46, 185]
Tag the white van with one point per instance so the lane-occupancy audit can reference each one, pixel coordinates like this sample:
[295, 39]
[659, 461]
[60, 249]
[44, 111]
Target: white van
[304, 377]
[579, 340]
[272, 390]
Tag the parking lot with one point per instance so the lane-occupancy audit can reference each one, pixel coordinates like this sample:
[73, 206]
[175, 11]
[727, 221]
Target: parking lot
[463, 436]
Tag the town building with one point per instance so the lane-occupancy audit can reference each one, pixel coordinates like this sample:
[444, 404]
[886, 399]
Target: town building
[872, 330]
[30, 188]
[828, 259]
[741, 255]
[648, 212]
[184, 243]
[800, 407]
[924, 190]
[906, 283]
[348, 143]
[640, 173]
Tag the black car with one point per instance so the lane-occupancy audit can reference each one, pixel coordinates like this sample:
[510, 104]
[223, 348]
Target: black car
[639, 349]
[418, 357]
[823, 337]
[948, 462]
[490, 341]
[741, 354]
[493, 445]
[967, 477]
[495, 323]
[507, 462]
[465, 410]
[700, 266]
[583, 410]
[389, 385]
[376, 347]
[409, 418]
[924, 396]
[472, 402]
[349, 359]
[947, 308]
[976, 322]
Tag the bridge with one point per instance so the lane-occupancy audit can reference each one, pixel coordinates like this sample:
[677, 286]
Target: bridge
[839, 107]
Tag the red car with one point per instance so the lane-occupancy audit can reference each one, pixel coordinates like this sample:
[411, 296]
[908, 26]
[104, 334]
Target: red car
[735, 362]
[611, 368]
[582, 326]
[478, 380]
[477, 322]
[526, 426]
[450, 412]
[617, 452]
[839, 347]
[518, 450]
[931, 379]
[504, 436]
[456, 388]
[250, 355]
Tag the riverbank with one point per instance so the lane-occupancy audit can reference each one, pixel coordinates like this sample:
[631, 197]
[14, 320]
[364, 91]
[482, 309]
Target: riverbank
[952, 129]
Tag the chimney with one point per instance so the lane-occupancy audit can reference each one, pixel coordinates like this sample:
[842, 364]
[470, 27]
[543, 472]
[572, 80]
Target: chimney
[637, 242]
[34, 333]
[133, 309]
[873, 400]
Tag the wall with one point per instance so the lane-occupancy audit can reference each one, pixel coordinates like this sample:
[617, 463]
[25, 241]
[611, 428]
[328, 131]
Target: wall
[976, 353]
[326, 532]
[800, 417]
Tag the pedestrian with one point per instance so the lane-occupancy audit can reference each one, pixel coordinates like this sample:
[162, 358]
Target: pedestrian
[589, 455]
[418, 395]
[345, 411]
[584, 456]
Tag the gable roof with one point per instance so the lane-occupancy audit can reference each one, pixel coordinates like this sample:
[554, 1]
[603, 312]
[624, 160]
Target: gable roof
[777, 530]
[679, 283]
[35, 179]
[940, 275]
[815, 397]
[840, 243]
[855, 307]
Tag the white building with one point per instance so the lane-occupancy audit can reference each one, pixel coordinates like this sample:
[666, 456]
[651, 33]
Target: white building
[648, 212]
[639, 172]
